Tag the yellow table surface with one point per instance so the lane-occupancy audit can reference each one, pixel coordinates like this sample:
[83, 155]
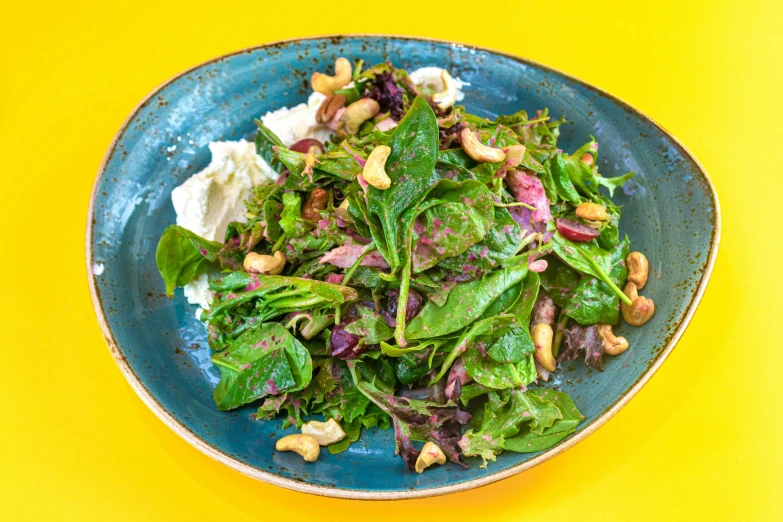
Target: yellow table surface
[702, 441]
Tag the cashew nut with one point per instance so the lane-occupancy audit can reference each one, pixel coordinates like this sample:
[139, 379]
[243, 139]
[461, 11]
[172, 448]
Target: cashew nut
[329, 108]
[587, 159]
[342, 210]
[591, 211]
[640, 310]
[263, 264]
[612, 345]
[316, 202]
[357, 113]
[638, 269]
[542, 338]
[430, 454]
[445, 98]
[374, 171]
[305, 445]
[477, 150]
[325, 433]
[325, 84]
[311, 160]
[514, 155]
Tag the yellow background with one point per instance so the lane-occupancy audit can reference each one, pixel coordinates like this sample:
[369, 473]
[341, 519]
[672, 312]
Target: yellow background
[701, 441]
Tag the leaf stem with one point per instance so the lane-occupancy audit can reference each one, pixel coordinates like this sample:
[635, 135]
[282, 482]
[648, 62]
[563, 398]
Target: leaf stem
[355, 266]
[606, 279]
[562, 321]
[279, 243]
[515, 204]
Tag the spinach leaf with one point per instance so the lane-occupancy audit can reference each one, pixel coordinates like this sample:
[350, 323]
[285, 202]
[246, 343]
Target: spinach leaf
[593, 301]
[485, 328]
[265, 361]
[516, 344]
[458, 217]
[465, 304]
[573, 254]
[559, 281]
[565, 188]
[414, 149]
[182, 256]
[500, 243]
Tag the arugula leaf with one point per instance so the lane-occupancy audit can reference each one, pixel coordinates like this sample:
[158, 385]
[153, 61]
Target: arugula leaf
[182, 256]
[414, 150]
[504, 415]
[370, 326]
[265, 361]
[526, 441]
[266, 141]
[613, 183]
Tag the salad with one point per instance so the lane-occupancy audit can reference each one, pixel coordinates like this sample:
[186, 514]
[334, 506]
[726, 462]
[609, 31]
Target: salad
[380, 258]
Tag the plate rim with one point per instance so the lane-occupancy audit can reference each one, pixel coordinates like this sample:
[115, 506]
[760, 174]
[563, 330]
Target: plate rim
[336, 492]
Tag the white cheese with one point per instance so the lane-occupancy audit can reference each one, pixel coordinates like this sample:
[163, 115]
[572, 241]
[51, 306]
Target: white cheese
[298, 122]
[430, 76]
[207, 202]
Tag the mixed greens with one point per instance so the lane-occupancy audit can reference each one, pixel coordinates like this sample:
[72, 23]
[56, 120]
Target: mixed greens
[432, 306]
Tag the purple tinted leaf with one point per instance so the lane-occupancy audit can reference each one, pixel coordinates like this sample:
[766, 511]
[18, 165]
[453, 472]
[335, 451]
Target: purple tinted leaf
[583, 338]
[419, 420]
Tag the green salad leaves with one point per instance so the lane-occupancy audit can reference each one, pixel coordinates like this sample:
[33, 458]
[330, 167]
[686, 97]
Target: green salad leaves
[413, 307]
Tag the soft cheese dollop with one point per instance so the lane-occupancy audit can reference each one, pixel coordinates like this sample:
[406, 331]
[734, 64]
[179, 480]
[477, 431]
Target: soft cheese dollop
[298, 122]
[430, 76]
[209, 200]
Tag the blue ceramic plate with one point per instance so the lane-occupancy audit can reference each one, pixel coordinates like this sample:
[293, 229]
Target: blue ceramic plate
[670, 209]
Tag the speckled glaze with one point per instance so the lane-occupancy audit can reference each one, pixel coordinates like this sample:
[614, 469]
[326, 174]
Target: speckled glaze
[671, 213]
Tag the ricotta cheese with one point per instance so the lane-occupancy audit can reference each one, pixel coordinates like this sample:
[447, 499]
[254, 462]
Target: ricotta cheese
[208, 201]
[298, 122]
[430, 76]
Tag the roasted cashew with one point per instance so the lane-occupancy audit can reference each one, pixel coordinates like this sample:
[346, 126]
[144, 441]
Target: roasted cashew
[430, 454]
[316, 202]
[342, 210]
[591, 211]
[325, 84]
[640, 310]
[325, 433]
[374, 169]
[638, 269]
[612, 345]
[477, 150]
[357, 113]
[514, 155]
[262, 264]
[542, 338]
[329, 108]
[305, 445]
[445, 98]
